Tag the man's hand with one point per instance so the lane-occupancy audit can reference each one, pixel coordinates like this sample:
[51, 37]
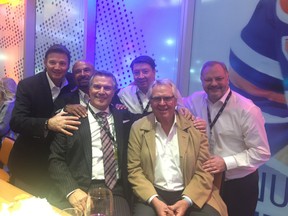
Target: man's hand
[200, 124]
[77, 110]
[62, 123]
[78, 199]
[179, 208]
[186, 113]
[161, 208]
[214, 164]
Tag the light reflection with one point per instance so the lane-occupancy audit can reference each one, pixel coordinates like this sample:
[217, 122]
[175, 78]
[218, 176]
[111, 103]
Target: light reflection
[12, 2]
[192, 70]
[170, 42]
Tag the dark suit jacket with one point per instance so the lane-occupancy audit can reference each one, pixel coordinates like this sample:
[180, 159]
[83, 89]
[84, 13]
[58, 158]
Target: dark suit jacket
[28, 160]
[71, 157]
[69, 98]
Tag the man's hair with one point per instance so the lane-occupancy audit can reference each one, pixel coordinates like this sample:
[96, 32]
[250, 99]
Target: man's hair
[166, 82]
[211, 64]
[58, 48]
[105, 74]
[143, 59]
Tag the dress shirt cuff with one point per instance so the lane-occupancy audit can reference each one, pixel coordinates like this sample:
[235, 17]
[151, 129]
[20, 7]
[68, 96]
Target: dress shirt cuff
[187, 199]
[70, 193]
[151, 198]
[230, 162]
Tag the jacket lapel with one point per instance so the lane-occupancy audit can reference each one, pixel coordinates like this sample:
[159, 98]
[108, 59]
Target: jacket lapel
[85, 137]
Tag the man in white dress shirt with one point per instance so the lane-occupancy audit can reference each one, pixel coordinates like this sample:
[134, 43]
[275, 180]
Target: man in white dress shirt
[237, 137]
[134, 96]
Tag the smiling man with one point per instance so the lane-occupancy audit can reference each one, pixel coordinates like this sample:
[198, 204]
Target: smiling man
[79, 162]
[32, 118]
[237, 137]
[134, 96]
[165, 154]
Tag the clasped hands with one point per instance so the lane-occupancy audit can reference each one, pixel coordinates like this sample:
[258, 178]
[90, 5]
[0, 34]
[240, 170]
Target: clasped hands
[162, 209]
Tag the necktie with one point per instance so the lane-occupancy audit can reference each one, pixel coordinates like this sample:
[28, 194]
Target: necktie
[108, 152]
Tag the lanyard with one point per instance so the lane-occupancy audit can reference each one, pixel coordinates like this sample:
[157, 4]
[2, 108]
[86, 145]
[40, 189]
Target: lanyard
[211, 124]
[141, 104]
[101, 124]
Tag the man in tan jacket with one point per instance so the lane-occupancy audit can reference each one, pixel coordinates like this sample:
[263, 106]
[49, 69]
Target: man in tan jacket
[165, 157]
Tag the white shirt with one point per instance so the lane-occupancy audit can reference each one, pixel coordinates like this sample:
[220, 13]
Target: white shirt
[168, 175]
[84, 98]
[97, 154]
[238, 135]
[129, 98]
[55, 91]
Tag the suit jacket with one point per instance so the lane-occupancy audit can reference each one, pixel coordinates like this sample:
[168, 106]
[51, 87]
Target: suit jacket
[71, 157]
[64, 99]
[28, 160]
[193, 151]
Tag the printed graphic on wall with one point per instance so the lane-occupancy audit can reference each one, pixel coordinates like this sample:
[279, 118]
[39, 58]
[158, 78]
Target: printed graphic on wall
[254, 43]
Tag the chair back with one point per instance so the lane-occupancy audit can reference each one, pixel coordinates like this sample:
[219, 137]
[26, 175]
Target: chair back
[7, 145]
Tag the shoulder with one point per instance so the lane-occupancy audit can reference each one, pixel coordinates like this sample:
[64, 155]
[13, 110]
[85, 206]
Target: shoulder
[127, 90]
[36, 79]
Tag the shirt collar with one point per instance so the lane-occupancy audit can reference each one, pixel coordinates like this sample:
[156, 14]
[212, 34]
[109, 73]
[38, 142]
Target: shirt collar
[52, 85]
[95, 110]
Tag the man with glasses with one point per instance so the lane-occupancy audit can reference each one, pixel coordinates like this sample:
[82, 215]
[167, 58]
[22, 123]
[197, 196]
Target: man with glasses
[165, 153]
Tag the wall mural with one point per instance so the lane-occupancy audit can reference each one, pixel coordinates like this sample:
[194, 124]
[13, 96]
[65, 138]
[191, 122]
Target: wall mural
[254, 43]
[12, 39]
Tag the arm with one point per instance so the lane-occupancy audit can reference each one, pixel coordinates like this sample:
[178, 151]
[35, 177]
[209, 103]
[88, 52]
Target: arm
[59, 170]
[5, 117]
[142, 187]
[257, 150]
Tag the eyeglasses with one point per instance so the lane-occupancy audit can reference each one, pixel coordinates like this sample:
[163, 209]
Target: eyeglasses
[165, 99]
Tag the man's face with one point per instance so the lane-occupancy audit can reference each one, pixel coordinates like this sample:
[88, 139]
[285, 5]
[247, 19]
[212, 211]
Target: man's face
[82, 72]
[163, 103]
[101, 92]
[143, 75]
[56, 65]
[215, 82]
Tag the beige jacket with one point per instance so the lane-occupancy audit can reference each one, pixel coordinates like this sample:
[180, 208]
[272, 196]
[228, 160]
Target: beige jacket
[193, 151]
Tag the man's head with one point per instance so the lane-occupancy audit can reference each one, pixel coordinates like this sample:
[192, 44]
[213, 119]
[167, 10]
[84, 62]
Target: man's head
[102, 87]
[82, 72]
[215, 80]
[56, 61]
[163, 96]
[143, 69]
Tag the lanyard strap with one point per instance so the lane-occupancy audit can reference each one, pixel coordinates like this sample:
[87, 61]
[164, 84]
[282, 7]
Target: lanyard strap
[211, 124]
[101, 124]
[141, 104]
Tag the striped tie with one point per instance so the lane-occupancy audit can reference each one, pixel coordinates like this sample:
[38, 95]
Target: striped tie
[108, 152]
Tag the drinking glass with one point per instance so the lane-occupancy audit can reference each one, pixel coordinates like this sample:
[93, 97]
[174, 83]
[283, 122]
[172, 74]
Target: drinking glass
[99, 202]
[71, 212]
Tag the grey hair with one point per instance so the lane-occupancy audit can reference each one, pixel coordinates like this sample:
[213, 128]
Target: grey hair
[165, 82]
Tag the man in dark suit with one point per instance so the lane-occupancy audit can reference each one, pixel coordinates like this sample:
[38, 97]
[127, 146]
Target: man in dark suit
[77, 162]
[32, 119]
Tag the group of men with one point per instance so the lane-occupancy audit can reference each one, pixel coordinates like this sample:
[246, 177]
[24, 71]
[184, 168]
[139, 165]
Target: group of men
[73, 137]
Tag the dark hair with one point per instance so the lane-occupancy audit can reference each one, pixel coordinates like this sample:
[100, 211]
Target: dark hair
[143, 59]
[105, 74]
[58, 48]
[211, 64]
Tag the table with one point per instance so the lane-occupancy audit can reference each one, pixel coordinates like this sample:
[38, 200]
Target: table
[8, 192]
